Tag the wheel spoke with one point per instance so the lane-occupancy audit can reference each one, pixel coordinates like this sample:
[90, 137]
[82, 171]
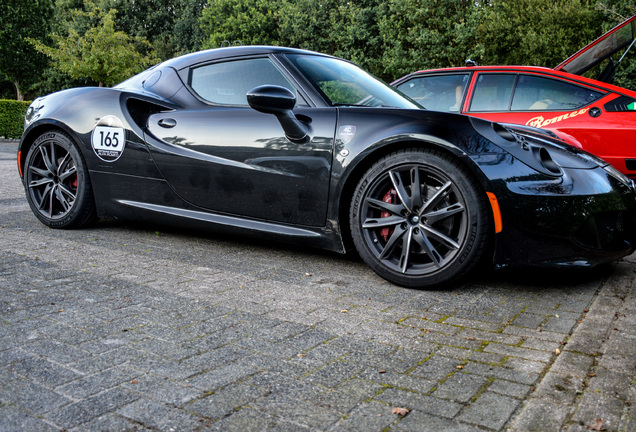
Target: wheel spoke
[66, 174]
[416, 192]
[431, 232]
[400, 190]
[39, 171]
[393, 241]
[442, 214]
[406, 250]
[383, 205]
[49, 159]
[429, 249]
[40, 182]
[66, 191]
[371, 223]
[51, 196]
[45, 195]
[437, 197]
[66, 168]
[61, 198]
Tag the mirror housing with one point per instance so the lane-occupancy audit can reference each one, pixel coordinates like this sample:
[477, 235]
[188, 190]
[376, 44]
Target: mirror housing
[277, 100]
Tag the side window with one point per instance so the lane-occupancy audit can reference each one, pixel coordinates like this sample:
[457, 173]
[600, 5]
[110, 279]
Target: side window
[437, 92]
[535, 93]
[227, 83]
[492, 92]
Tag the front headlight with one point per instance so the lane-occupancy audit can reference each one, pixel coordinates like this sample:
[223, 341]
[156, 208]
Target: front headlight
[540, 151]
[32, 112]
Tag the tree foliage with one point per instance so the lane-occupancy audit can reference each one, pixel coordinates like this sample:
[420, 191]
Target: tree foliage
[101, 53]
[347, 29]
[423, 34]
[93, 43]
[536, 32]
[187, 33]
[393, 38]
[171, 26]
[246, 22]
[21, 20]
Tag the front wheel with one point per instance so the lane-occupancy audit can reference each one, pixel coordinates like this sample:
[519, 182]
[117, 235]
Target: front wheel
[57, 185]
[419, 219]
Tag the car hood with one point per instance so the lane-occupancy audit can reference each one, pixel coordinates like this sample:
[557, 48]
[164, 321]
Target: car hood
[619, 38]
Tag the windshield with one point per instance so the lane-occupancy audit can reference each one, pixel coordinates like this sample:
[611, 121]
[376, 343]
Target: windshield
[344, 84]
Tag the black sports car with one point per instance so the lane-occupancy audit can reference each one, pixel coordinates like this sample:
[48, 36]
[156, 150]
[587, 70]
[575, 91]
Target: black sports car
[306, 147]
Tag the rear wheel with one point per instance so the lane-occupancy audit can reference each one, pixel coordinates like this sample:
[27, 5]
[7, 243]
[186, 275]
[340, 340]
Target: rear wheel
[57, 185]
[419, 218]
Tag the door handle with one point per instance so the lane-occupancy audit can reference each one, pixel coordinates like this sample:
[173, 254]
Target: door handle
[167, 122]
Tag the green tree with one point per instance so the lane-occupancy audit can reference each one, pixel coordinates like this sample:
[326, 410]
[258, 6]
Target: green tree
[357, 34]
[20, 63]
[309, 24]
[419, 34]
[187, 34]
[101, 53]
[171, 26]
[617, 11]
[248, 22]
[149, 19]
[535, 32]
[342, 28]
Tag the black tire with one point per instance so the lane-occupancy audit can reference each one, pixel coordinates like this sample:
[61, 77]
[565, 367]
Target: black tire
[57, 184]
[420, 237]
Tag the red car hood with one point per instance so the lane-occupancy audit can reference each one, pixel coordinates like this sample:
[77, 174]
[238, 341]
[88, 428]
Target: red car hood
[621, 37]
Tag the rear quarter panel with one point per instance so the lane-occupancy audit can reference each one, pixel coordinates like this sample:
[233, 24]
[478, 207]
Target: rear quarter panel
[77, 113]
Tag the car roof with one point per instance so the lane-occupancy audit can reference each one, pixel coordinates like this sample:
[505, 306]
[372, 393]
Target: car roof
[521, 69]
[191, 59]
[483, 68]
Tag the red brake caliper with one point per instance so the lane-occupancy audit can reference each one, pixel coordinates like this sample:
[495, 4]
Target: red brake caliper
[388, 198]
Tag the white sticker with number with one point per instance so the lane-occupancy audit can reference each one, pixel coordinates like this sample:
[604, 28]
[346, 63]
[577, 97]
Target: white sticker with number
[108, 141]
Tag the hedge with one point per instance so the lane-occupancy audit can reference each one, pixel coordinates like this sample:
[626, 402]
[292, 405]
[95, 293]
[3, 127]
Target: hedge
[12, 117]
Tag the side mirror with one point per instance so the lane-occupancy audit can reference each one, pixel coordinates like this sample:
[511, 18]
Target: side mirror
[277, 100]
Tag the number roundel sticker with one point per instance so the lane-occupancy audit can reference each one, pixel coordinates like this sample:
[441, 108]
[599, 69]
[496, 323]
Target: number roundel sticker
[108, 139]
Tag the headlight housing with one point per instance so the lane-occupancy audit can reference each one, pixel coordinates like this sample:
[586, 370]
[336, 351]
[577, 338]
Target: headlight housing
[619, 176]
[542, 151]
[32, 112]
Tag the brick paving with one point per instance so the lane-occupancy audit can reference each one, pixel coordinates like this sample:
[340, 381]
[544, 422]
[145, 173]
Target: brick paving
[127, 327]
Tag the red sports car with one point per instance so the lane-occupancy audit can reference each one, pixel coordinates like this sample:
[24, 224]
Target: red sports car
[590, 113]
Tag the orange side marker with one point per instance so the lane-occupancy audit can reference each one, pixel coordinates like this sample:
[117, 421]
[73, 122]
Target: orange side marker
[495, 211]
[20, 163]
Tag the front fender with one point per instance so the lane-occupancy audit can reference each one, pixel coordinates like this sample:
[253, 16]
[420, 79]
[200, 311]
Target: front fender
[392, 130]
